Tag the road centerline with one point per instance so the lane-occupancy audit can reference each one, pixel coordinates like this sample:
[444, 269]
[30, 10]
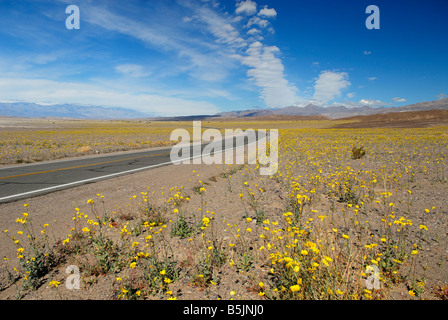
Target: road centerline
[191, 156]
[81, 166]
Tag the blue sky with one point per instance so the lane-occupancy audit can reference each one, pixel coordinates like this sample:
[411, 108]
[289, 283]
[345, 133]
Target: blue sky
[183, 57]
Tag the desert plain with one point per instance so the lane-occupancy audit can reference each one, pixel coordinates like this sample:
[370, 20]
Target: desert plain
[357, 210]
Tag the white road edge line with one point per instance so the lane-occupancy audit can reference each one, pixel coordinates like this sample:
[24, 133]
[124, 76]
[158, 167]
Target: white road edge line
[62, 186]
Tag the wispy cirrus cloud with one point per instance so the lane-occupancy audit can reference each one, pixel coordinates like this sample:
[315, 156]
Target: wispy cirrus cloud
[220, 27]
[132, 70]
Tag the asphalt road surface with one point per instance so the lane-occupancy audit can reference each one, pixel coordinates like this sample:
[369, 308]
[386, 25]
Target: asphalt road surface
[21, 182]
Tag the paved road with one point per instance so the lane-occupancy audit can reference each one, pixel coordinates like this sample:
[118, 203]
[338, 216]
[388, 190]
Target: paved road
[20, 182]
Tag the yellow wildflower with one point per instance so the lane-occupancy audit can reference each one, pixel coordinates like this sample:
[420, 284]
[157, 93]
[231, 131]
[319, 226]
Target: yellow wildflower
[294, 288]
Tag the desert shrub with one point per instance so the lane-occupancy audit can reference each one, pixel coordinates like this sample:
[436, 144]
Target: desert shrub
[36, 256]
[181, 228]
[358, 153]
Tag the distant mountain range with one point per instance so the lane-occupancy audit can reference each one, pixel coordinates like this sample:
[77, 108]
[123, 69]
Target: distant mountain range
[34, 110]
[26, 109]
[337, 112]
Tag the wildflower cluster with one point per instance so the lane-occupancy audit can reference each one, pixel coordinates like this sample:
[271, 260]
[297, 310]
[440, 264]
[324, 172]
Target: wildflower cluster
[320, 228]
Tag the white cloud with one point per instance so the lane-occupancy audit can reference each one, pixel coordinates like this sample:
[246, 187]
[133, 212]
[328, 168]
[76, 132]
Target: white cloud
[42, 59]
[201, 57]
[57, 92]
[253, 31]
[268, 13]
[198, 57]
[255, 35]
[132, 70]
[248, 7]
[139, 30]
[441, 96]
[361, 103]
[329, 85]
[266, 70]
[350, 95]
[372, 78]
[367, 53]
[221, 28]
[257, 21]
[189, 19]
[371, 103]
[398, 99]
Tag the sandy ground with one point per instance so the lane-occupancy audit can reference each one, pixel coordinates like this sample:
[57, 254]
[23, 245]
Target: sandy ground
[58, 208]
